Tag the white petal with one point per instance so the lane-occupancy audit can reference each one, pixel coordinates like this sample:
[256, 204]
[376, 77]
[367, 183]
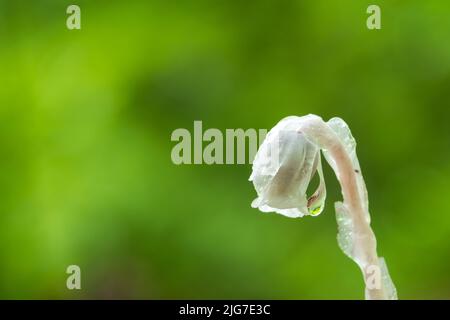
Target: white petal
[282, 171]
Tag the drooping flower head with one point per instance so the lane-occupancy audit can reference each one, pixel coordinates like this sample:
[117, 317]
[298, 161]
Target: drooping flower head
[283, 168]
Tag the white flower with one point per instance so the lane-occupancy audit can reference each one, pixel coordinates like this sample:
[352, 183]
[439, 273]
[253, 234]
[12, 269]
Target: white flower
[284, 166]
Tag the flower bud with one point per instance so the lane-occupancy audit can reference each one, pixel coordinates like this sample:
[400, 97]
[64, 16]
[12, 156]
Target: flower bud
[284, 166]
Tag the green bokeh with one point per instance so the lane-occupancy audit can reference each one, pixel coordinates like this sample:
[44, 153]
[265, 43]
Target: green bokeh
[85, 124]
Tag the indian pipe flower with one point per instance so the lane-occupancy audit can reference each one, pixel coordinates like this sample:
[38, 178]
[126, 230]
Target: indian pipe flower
[283, 168]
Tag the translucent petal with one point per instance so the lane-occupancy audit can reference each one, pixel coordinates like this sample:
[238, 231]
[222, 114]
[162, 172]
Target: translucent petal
[282, 170]
[316, 202]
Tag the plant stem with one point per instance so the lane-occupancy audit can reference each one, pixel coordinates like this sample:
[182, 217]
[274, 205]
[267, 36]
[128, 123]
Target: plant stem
[365, 241]
[364, 251]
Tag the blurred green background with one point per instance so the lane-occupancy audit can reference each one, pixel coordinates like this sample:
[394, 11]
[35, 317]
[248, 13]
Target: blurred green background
[86, 116]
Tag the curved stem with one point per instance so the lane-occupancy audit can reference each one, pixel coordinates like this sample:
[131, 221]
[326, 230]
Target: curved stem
[366, 241]
[364, 246]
